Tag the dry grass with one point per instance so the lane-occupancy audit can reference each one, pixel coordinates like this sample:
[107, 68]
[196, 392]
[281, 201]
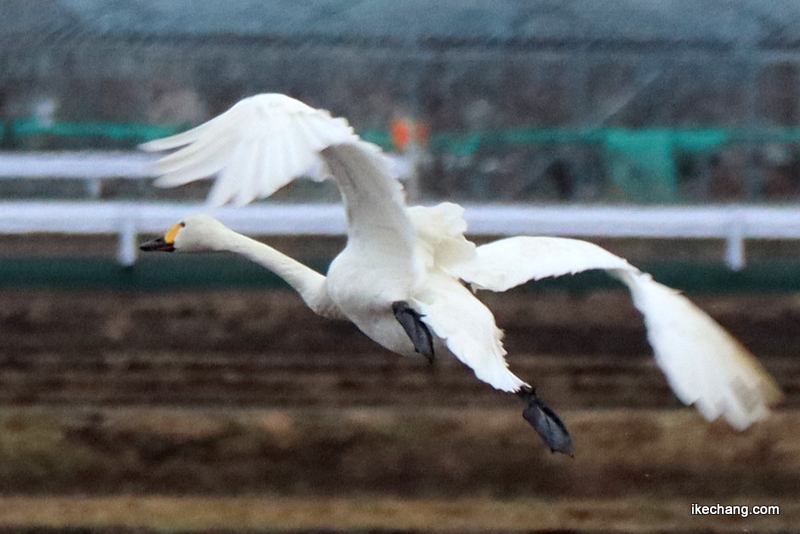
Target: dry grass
[395, 453]
[474, 514]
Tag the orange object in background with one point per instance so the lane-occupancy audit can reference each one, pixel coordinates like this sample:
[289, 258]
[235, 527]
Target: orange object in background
[404, 131]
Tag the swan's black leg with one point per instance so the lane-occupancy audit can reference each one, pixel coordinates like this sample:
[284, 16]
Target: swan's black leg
[417, 331]
[546, 423]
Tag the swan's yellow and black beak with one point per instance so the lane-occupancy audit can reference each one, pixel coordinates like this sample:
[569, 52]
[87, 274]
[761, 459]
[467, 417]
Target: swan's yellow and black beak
[163, 244]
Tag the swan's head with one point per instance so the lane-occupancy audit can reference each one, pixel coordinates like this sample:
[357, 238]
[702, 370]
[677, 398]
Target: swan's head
[194, 233]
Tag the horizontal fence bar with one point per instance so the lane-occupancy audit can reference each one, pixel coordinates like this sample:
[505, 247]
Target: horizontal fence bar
[76, 165]
[98, 217]
[760, 222]
[733, 223]
[100, 165]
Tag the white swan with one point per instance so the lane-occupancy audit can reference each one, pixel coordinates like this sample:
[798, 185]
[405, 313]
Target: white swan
[399, 278]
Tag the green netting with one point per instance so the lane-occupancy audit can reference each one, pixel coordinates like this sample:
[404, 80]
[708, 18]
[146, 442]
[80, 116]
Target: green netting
[640, 164]
[134, 131]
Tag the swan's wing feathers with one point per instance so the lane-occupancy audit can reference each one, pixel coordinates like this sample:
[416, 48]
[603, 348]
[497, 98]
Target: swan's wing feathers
[374, 201]
[183, 138]
[507, 263]
[469, 330]
[193, 162]
[245, 162]
[703, 363]
[295, 154]
[205, 149]
[286, 134]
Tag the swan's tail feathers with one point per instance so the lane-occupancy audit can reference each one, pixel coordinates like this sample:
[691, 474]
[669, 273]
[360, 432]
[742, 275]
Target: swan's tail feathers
[258, 146]
[703, 363]
[469, 330]
[440, 241]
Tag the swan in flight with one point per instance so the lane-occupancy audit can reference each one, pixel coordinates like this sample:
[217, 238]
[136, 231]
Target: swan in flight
[407, 276]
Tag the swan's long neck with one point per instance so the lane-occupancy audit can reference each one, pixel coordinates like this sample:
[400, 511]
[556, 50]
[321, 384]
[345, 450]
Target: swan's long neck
[306, 281]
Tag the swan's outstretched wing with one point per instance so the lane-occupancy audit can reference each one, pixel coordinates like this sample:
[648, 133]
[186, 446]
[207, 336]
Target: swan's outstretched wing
[265, 141]
[257, 146]
[468, 328]
[704, 365]
[507, 263]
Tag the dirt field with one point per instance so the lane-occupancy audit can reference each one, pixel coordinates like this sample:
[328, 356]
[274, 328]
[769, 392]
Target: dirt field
[231, 410]
[123, 514]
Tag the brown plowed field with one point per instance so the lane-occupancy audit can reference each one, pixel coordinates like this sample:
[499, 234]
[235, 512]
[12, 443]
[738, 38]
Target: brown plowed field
[234, 410]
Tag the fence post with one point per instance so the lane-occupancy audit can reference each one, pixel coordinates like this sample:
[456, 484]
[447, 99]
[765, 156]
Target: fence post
[126, 244]
[734, 245]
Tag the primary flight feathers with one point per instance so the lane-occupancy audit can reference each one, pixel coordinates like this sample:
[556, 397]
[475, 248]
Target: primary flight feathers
[258, 146]
[419, 256]
[703, 363]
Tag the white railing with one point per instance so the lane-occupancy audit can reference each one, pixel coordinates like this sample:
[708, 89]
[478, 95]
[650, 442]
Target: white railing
[91, 167]
[731, 223]
[734, 224]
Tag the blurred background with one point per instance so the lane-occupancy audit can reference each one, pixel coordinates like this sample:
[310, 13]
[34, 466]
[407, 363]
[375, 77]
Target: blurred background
[196, 393]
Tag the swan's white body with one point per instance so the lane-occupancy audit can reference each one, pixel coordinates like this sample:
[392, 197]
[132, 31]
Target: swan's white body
[420, 255]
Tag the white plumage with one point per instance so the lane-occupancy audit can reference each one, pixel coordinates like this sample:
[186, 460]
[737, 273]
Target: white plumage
[420, 255]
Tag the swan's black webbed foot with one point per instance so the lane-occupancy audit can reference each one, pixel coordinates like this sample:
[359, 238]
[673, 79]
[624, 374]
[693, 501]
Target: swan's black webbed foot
[546, 423]
[417, 331]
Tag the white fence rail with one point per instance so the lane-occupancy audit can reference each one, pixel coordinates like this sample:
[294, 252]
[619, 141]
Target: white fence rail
[732, 223]
[76, 165]
[91, 167]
